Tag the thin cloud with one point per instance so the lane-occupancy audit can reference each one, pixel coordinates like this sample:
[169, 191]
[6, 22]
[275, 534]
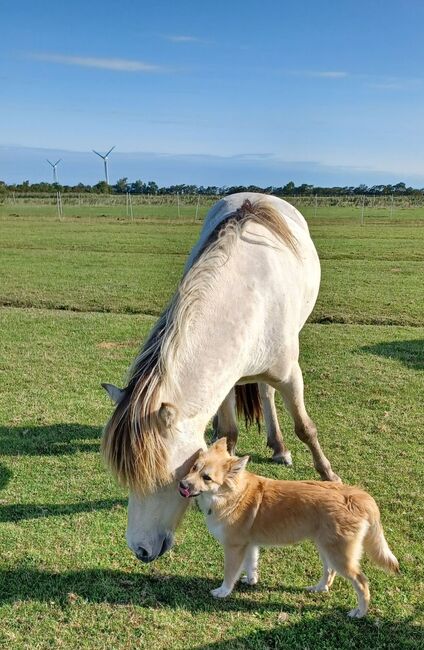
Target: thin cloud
[321, 74]
[117, 65]
[181, 38]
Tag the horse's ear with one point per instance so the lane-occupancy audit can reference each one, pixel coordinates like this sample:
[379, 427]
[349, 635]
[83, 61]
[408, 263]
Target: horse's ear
[220, 444]
[168, 414]
[115, 393]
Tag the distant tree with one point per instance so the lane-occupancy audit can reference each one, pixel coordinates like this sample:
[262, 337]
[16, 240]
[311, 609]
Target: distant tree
[137, 187]
[121, 186]
[288, 189]
[101, 188]
[152, 187]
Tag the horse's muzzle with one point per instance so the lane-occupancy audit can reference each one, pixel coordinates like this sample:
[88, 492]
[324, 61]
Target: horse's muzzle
[143, 555]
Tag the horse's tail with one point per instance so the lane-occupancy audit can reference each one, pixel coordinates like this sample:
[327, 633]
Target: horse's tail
[248, 403]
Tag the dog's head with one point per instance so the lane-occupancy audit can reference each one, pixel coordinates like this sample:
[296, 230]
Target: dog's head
[213, 470]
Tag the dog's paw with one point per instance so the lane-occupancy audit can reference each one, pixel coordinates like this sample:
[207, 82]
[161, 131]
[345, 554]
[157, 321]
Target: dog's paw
[317, 588]
[250, 580]
[356, 613]
[220, 592]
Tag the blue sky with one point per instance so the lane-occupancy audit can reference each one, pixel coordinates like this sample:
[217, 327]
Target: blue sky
[317, 91]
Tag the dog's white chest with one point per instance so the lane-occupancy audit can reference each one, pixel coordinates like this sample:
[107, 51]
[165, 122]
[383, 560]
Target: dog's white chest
[216, 528]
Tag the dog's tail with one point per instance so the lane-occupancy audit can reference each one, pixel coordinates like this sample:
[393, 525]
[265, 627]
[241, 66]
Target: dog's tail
[376, 546]
[248, 403]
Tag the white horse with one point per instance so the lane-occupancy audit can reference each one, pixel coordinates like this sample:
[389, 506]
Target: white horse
[249, 285]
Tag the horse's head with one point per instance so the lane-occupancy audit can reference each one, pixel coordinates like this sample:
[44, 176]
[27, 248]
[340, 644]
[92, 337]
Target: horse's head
[150, 454]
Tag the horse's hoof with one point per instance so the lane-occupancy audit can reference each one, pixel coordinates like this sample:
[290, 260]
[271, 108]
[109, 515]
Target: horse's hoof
[334, 478]
[283, 458]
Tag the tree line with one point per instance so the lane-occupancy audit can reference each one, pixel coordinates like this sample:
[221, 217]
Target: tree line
[123, 186]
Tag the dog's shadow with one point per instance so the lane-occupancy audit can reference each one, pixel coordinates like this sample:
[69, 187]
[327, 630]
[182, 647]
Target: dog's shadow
[330, 632]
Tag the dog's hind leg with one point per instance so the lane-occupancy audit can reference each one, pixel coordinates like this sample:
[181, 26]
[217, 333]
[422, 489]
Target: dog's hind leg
[251, 566]
[345, 557]
[233, 564]
[328, 575]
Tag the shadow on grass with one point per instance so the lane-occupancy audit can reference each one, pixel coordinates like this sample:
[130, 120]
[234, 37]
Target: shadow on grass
[18, 512]
[410, 353]
[120, 588]
[330, 632]
[51, 440]
[5, 476]
[313, 631]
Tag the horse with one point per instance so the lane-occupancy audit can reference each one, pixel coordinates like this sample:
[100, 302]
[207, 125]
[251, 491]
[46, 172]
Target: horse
[248, 287]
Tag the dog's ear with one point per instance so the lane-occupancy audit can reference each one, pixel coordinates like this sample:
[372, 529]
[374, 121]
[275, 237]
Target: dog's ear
[236, 465]
[220, 444]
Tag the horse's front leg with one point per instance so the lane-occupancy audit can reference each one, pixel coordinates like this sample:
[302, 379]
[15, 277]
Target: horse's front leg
[274, 437]
[225, 422]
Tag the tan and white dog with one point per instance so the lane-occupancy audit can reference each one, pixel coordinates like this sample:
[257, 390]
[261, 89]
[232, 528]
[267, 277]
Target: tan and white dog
[244, 511]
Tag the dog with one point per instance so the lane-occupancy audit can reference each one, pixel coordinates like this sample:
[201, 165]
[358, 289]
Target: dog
[244, 512]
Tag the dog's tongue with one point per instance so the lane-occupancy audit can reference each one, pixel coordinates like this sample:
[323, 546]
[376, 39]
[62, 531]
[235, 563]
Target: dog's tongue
[185, 492]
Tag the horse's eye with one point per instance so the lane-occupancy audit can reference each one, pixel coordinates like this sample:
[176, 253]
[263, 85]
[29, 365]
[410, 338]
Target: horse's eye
[206, 477]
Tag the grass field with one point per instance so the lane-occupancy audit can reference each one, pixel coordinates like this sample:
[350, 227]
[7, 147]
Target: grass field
[76, 299]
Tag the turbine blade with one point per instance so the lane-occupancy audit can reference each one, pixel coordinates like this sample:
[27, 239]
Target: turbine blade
[50, 163]
[106, 155]
[56, 163]
[99, 154]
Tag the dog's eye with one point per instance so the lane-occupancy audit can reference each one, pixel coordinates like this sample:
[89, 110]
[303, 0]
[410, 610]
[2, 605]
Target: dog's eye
[206, 477]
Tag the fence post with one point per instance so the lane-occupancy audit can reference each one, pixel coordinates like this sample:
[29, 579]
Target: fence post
[131, 208]
[362, 210]
[197, 208]
[59, 205]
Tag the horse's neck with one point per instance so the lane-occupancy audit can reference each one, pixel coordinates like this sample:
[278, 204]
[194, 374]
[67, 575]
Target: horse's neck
[210, 356]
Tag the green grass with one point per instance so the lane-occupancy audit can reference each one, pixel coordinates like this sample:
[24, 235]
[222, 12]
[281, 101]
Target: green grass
[369, 275]
[67, 579]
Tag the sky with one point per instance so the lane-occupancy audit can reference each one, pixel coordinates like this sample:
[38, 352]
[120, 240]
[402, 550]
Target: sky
[218, 93]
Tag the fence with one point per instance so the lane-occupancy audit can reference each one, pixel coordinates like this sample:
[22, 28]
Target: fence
[192, 208]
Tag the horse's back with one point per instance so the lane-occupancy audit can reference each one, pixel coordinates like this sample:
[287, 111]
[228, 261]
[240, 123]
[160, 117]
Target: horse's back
[223, 208]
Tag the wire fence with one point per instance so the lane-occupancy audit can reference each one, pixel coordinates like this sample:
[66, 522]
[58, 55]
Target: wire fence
[181, 208]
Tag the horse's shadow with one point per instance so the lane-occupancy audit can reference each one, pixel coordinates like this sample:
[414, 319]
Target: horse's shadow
[49, 440]
[410, 353]
[22, 511]
[120, 588]
[314, 630]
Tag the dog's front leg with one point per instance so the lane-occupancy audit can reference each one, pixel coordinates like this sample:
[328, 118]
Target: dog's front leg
[233, 563]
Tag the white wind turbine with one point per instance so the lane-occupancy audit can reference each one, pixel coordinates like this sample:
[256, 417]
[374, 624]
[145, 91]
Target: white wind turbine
[54, 165]
[105, 162]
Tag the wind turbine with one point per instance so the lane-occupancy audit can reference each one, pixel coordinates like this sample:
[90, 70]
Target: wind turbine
[105, 162]
[54, 165]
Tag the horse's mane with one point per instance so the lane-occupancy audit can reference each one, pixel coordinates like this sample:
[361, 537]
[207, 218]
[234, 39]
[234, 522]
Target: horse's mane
[134, 439]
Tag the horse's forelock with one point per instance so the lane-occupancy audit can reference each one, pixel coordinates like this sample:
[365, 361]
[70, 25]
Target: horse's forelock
[133, 443]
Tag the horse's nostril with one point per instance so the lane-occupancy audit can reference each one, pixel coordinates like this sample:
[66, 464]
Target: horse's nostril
[142, 553]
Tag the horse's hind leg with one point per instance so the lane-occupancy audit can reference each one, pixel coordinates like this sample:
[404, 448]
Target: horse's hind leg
[292, 392]
[274, 438]
[225, 421]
